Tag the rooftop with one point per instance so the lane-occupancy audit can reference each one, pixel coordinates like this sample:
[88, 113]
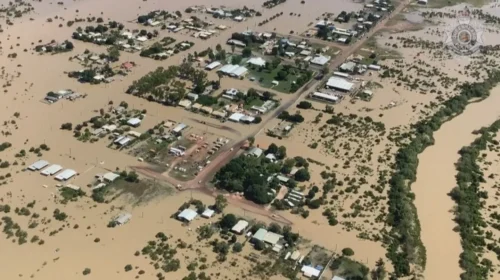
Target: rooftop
[187, 214]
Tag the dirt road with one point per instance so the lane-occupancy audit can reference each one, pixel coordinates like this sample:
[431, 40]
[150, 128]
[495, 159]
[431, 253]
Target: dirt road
[200, 182]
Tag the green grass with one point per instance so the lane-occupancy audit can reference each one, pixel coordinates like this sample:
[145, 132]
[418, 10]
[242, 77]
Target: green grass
[255, 102]
[269, 77]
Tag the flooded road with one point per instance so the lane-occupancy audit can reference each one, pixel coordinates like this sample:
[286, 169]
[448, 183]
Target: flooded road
[436, 178]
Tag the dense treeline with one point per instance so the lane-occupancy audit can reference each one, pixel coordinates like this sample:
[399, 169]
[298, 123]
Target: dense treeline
[467, 194]
[405, 246]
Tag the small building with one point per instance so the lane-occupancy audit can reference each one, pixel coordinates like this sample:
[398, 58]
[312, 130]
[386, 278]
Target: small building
[228, 68]
[66, 175]
[51, 170]
[348, 67]
[341, 74]
[267, 237]
[219, 114]
[196, 106]
[134, 122]
[212, 65]
[207, 109]
[257, 61]
[337, 278]
[271, 157]
[256, 152]
[240, 227]
[122, 219]
[110, 177]
[422, 2]
[374, 67]
[179, 128]
[247, 119]
[208, 213]
[187, 215]
[185, 103]
[38, 165]
[310, 271]
[236, 43]
[239, 18]
[134, 134]
[236, 117]
[325, 97]
[321, 60]
[339, 84]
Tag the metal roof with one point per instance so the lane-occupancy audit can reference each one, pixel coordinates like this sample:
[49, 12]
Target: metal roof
[51, 170]
[66, 175]
[110, 176]
[240, 226]
[38, 165]
[339, 83]
[187, 214]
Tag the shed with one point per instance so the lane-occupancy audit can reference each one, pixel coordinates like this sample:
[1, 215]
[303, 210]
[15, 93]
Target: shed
[247, 119]
[240, 226]
[219, 114]
[196, 106]
[325, 97]
[348, 66]
[135, 122]
[51, 170]
[208, 213]
[271, 157]
[192, 96]
[212, 65]
[337, 278]
[66, 175]
[374, 67]
[207, 109]
[123, 218]
[272, 238]
[38, 165]
[187, 215]
[110, 177]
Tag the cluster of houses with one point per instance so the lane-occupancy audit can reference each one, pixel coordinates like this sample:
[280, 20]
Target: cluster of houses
[104, 179]
[52, 170]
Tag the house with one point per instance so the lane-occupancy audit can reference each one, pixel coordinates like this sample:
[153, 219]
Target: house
[219, 114]
[122, 219]
[207, 109]
[187, 215]
[267, 237]
[422, 2]
[236, 43]
[38, 165]
[337, 278]
[239, 18]
[257, 61]
[374, 67]
[236, 117]
[256, 152]
[310, 271]
[196, 106]
[339, 84]
[134, 134]
[134, 122]
[66, 175]
[110, 177]
[247, 119]
[268, 105]
[240, 226]
[321, 60]
[230, 93]
[348, 67]
[208, 213]
[271, 157]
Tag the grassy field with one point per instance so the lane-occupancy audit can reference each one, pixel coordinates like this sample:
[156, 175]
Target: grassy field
[265, 79]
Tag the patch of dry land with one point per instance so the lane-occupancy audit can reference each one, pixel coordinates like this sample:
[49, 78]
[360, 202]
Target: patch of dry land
[126, 154]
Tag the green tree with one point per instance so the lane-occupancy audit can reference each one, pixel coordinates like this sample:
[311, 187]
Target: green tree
[347, 252]
[220, 203]
[302, 175]
[247, 52]
[228, 221]
[237, 247]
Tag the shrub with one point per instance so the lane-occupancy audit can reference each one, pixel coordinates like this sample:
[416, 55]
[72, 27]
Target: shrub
[304, 105]
[347, 252]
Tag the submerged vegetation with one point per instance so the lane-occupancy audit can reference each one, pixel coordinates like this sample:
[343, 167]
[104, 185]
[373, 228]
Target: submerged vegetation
[467, 194]
[405, 246]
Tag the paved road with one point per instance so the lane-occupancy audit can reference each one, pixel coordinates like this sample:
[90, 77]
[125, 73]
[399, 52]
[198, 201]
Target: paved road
[205, 175]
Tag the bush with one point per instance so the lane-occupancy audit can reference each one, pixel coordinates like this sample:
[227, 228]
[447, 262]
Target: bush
[259, 245]
[347, 252]
[86, 271]
[304, 105]
[128, 267]
[237, 247]
[67, 126]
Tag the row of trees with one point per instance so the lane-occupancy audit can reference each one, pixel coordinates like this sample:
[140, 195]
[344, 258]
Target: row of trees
[467, 194]
[405, 246]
